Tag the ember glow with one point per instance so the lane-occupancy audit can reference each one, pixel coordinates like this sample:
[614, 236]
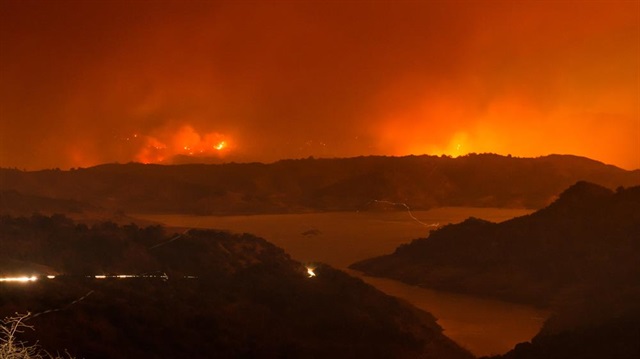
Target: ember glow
[310, 272]
[221, 145]
[261, 81]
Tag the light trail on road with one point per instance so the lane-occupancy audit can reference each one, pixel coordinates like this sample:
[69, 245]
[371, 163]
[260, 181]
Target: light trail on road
[23, 279]
[34, 278]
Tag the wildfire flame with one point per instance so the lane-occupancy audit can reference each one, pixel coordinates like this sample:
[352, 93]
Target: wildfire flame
[310, 272]
[185, 141]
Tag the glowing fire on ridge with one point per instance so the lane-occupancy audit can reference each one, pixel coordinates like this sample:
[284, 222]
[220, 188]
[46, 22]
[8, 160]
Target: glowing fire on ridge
[221, 145]
[185, 141]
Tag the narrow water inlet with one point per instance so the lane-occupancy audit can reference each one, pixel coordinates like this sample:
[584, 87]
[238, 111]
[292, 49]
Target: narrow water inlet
[483, 326]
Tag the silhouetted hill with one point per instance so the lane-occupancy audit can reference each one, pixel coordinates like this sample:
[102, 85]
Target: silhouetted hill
[244, 298]
[287, 186]
[616, 339]
[578, 256]
[591, 322]
[589, 234]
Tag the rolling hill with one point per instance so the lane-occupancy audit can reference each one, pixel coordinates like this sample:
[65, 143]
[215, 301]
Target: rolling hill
[295, 186]
[220, 295]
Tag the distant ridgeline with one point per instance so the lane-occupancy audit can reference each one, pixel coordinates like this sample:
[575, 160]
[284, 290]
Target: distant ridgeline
[250, 300]
[579, 256]
[294, 186]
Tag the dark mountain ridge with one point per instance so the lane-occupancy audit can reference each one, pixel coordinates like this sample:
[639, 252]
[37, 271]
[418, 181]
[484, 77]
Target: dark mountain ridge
[294, 186]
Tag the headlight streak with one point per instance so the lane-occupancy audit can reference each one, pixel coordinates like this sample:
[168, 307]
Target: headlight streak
[169, 241]
[433, 225]
[33, 278]
[65, 307]
[176, 237]
[162, 276]
[22, 279]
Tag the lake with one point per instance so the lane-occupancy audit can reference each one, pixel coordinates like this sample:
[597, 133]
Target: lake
[484, 326]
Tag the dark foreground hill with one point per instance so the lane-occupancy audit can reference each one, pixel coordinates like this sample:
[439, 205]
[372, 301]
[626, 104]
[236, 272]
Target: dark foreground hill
[226, 296]
[578, 256]
[589, 234]
[598, 321]
[347, 184]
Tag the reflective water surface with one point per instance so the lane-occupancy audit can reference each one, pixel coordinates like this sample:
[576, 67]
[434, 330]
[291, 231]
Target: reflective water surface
[484, 326]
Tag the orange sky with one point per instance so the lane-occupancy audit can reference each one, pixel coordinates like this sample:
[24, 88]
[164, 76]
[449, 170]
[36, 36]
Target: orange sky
[83, 83]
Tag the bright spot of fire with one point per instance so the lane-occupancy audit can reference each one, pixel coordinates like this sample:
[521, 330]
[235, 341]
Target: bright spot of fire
[184, 141]
[51, 276]
[19, 279]
[310, 272]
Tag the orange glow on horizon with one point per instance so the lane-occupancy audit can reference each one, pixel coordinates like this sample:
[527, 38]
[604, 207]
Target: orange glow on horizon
[511, 126]
[196, 80]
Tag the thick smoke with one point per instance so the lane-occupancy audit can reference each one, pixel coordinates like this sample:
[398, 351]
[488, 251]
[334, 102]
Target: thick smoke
[294, 79]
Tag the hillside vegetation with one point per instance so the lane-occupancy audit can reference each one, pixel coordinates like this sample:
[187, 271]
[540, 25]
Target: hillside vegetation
[224, 296]
[589, 234]
[578, 256]
[294, 186]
